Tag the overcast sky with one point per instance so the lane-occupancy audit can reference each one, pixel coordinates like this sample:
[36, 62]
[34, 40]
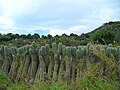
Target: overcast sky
[56, 16]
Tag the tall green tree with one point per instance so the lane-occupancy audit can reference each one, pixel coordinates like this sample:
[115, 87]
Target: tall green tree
[36, 36]
[29, 36]
[49, 36]
[23, 36]
[103, 36]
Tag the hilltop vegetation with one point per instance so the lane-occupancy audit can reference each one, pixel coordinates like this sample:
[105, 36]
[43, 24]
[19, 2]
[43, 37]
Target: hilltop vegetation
[105, 34]
[109, 32]
[20, 40]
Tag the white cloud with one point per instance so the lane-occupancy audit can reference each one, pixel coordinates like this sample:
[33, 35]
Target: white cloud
[78, 29]
[5, 21]
[56, 16]
[19, 7]
[103, 14]
[53, 30]
[6, 25]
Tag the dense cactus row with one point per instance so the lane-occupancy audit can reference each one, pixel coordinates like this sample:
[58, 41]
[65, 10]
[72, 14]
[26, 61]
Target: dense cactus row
[32, 62]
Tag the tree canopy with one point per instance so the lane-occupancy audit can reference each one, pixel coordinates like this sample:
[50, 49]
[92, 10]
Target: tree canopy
[103, 37]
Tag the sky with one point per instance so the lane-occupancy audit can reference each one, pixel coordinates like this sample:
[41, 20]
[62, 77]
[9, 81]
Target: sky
[56, 17]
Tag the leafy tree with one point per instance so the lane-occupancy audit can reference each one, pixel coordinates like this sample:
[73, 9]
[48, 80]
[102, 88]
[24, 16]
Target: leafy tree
[36, 36]
[49, 36]
[73, 35]
[23, 36]
[11, 35]
[65, 35]
[16, 36]
[29, 36]
[5, 38]
[103, 36]
[43, 37]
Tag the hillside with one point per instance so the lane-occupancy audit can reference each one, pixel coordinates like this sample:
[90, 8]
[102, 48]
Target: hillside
[113, 26]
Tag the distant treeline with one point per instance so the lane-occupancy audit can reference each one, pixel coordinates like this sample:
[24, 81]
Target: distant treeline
[10, 36]
[105, 34]
[72, 39]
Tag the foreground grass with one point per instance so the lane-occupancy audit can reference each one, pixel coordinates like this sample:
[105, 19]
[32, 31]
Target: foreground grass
[89, 82]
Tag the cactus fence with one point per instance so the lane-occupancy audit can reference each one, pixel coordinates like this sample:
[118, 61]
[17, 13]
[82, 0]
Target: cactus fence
[31, 62]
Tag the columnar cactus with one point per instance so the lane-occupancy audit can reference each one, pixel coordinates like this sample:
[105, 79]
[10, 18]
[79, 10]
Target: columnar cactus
[83, 51]
[73, 51]
[1, 55]
[83, 58]
[89, 45]
[78, 65]
[51, 67]
[47, 49]
[61, 71]
[41, 68]
[34, 63]
[73, 59]
[61, 75]
[8, 59]
[68, 62]
[110, 45]
[78, 52]
[98, 47]
[27, 61]
[114, 53]
[20, 58]
[55, 73]
[45, 55]
[68, 51]
[54, 48]
[14, 67]
[60, 48]
[108, 51]
[59, 52]
[43, 51]
[102, 51]
[63, 50]
[119, 55]
[47, 52]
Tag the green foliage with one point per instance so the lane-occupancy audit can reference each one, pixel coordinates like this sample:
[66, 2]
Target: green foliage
[110, 26]
[5, 38]
[18, 87]
[4, 81]
[83, 42]
[36, 36]
[103, 36]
